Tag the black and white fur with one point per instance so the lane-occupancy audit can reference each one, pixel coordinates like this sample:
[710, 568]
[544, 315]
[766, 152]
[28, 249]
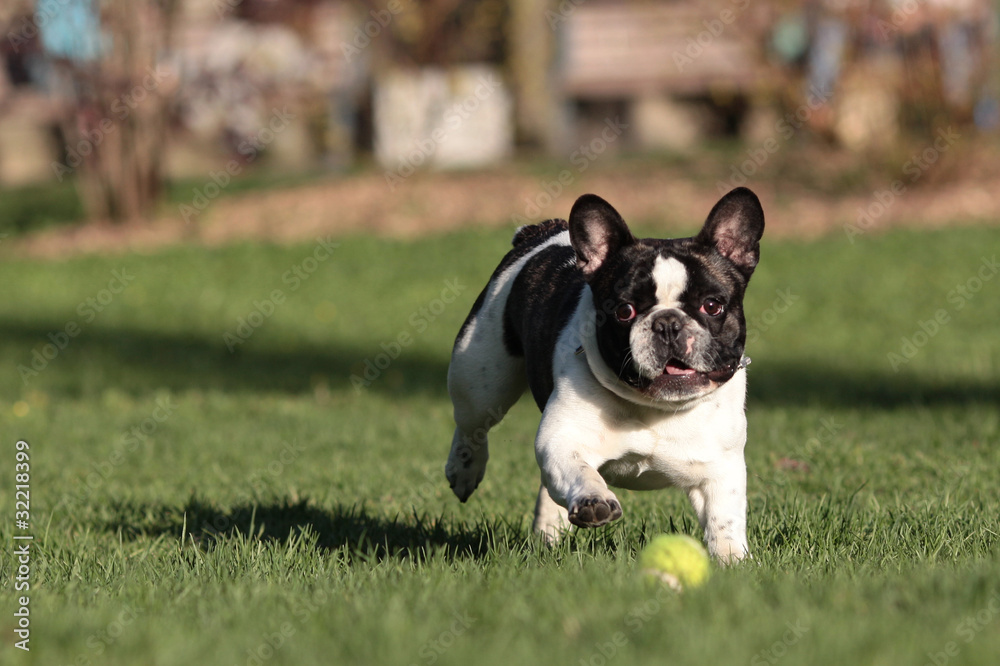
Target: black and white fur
[633, 351]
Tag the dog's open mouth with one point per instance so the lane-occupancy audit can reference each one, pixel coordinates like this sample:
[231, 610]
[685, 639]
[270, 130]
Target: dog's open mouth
[678, 368]
[679, 378]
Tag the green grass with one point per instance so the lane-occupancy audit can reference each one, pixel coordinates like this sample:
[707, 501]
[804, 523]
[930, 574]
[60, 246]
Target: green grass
[273, 513]
[33, 207]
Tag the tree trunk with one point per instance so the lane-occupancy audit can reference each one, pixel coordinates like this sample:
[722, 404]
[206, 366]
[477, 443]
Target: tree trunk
[534, 27]
[117, 121]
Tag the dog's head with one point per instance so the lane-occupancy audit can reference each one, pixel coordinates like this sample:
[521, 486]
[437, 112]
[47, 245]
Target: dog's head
[668, 322]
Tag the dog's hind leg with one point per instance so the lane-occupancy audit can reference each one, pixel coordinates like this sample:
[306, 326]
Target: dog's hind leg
[487, 372]
[484, 380]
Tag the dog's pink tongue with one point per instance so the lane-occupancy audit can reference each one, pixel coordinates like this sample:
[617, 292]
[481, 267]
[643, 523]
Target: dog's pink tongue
[672, 369]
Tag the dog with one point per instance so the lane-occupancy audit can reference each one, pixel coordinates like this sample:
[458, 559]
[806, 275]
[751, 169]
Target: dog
[633, 351]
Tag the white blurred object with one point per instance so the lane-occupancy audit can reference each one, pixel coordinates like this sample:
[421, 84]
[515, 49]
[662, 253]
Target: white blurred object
[456, 118]
[867, 111]
[229, 68]
[663, 123]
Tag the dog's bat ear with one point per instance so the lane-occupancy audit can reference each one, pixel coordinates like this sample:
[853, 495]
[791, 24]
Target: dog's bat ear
[734, 228]
[596, 230]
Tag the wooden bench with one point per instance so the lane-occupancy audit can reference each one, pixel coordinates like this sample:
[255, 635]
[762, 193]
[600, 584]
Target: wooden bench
[615, 50]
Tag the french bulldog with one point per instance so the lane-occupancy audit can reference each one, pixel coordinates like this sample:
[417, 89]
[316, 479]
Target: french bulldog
[633, 351]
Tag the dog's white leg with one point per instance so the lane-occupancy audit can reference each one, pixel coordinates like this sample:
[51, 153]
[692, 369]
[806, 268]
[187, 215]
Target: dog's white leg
[721, 505]
[551, 520]
[569, 456]
[590, 503]
[484, 381]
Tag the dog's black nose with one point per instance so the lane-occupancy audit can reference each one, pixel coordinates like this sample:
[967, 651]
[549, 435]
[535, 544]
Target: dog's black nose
[668, 324]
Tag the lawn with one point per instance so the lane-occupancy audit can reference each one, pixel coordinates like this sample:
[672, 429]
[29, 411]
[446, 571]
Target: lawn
[196, 505]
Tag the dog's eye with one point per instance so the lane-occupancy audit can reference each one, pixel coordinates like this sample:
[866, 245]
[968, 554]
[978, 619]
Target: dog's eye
[625, 312]
[712, 307]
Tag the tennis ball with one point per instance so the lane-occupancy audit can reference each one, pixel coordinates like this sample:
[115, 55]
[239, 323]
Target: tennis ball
[675, 559]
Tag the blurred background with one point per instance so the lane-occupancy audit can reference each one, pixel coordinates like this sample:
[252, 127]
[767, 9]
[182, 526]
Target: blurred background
[404, 115]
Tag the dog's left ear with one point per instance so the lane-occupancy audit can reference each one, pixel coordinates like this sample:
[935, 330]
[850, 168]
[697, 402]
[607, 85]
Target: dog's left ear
[734, 228]
[596, 231]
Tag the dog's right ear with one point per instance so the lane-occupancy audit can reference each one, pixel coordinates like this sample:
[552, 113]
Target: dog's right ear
[596, 230]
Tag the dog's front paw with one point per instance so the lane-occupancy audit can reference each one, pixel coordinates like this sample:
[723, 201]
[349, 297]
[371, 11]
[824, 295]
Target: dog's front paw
[594, 511]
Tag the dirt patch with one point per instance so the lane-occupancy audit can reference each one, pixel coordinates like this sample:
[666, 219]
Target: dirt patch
[435, 202]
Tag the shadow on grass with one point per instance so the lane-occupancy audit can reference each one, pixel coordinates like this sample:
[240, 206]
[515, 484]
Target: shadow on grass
[139, 361]
[351, 528]
[796, 382]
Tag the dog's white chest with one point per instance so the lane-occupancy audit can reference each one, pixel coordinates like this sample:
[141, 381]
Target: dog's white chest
[655, 450]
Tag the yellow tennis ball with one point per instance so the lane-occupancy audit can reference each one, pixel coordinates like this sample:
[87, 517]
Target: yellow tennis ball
[676, 559]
